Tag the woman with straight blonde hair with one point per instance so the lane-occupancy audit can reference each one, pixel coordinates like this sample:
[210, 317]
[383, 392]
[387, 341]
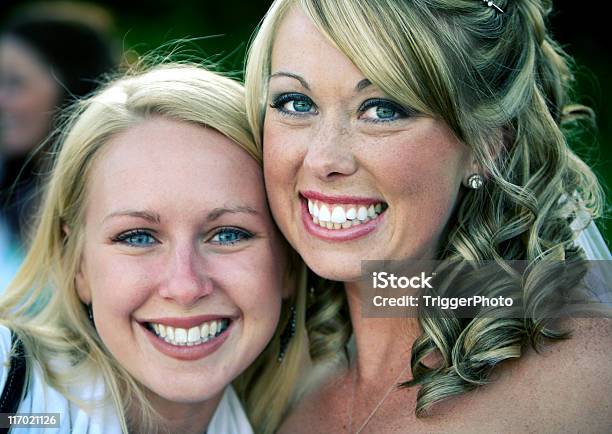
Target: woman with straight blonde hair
[433, 131]
[156, 276]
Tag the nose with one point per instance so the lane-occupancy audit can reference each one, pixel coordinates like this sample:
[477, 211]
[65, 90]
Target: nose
[330, 154]
[186, 281]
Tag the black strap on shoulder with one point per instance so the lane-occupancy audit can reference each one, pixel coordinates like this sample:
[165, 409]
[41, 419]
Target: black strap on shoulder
[13, 388]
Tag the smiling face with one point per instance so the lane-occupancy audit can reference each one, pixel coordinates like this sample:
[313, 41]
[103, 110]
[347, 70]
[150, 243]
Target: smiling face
[28, 98]
[182, 263]
[352, 175]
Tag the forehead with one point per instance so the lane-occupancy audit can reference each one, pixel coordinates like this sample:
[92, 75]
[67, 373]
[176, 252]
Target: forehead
[163, 163]
[299, 47]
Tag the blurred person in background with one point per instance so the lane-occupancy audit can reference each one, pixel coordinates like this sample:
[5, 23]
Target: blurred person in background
[51, 53]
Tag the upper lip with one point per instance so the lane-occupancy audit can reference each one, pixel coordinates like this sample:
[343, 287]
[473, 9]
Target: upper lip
[340, 199]
[187, 322]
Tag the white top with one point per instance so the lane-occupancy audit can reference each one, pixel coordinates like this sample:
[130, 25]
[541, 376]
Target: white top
[229, 416]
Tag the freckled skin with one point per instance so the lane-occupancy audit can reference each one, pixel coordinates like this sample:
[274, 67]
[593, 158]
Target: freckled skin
[414, 164]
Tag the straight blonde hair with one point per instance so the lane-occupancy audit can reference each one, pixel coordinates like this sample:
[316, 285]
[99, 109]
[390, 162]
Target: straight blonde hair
[42, 306]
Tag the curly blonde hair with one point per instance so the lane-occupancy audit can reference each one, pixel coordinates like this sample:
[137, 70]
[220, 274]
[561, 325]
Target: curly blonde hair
[487, 75]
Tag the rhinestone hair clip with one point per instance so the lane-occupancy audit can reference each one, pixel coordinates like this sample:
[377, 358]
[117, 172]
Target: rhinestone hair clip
[493, 5]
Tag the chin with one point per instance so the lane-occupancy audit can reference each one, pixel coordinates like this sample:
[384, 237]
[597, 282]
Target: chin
[340, 271]
[189, 394]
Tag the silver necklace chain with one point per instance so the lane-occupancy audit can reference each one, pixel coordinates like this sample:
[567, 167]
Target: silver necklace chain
[380, 403]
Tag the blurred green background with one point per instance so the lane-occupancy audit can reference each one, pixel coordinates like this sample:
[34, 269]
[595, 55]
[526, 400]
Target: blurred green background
[223, 29]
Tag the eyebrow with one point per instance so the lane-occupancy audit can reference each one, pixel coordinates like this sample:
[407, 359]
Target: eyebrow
[145, 215]
[359, 87]
[218, 212]
[302, 81]
[155, 218]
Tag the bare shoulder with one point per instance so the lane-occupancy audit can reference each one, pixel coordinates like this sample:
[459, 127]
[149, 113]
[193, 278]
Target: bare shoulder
[567, 386]
[587, 351]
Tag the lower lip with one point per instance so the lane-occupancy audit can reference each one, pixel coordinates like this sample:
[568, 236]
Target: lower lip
[348, 234]
[186, 352]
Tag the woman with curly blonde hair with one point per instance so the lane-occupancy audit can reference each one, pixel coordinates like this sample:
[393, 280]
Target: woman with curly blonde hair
[431, 130]
[156, 275]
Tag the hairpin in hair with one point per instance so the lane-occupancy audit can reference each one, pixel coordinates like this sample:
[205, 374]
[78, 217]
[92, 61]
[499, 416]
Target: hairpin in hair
[493, 5]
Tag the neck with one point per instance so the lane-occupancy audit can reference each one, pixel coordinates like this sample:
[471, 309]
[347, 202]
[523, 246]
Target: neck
[383, 345]
[188, 418]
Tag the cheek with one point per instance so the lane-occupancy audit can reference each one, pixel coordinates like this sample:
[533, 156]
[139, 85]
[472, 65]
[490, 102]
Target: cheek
[283, 156]
[431, 168]
[422, 184]
[120, 284]
[284, 149]
[253, 281]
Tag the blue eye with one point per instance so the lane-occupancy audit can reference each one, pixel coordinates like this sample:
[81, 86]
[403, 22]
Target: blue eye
[293, 104]
[230, 236]
[381, 110]
[136, 238]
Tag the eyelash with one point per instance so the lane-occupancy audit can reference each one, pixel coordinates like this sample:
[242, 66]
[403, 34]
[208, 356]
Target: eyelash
[379, 102]
[245, 235]
[279, 101]
[124, 237]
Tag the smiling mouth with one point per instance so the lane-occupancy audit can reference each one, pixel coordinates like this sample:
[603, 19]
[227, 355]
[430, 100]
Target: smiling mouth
[197, 335]
[336, 216]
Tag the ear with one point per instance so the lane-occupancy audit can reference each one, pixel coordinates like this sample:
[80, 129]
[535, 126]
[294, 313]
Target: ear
[471, 169]
[82, 285]
[81, 282]
[496, 148]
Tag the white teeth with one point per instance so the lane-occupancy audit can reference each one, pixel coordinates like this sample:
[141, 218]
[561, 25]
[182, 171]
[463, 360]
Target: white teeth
[324, 215]
[371, 212]
[204, 331]
[338, 215]
[342, 216]
[213, 328]
[193, 336]
[180, 336]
